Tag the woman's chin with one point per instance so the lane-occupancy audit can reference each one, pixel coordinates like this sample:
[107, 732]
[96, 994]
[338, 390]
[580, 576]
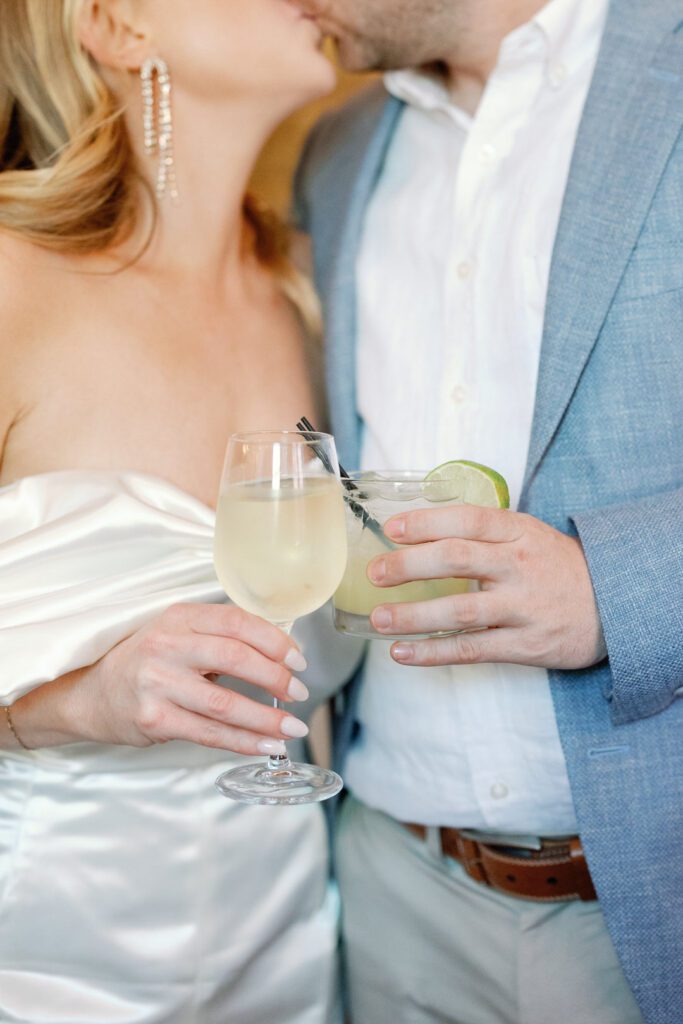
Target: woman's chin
[327, 78]
[314, 76]
[313, 65]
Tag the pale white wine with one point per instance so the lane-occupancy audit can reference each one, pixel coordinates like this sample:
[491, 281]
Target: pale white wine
[280, 552]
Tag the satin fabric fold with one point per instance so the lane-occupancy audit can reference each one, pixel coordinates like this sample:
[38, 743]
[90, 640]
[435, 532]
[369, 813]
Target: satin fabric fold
[130, 890]
[85, 560]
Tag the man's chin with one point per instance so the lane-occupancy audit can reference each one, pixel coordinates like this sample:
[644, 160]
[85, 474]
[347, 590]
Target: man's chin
[353, 55]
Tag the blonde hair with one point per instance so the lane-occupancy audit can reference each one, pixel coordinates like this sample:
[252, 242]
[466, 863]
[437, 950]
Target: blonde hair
[68, 179]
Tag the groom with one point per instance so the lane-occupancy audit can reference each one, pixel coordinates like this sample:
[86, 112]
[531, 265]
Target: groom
[498, 241]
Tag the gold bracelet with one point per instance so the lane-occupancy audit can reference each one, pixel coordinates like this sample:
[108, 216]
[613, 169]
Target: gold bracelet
[14, 732]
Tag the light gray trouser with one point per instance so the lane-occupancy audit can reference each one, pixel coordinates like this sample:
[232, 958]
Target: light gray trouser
[424, 944]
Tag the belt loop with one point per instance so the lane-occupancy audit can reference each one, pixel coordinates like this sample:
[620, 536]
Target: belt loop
[433, 839]
[471, 859]
[584, 883]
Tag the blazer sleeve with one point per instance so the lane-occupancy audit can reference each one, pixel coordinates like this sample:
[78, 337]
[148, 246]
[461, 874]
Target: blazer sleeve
[635, 558]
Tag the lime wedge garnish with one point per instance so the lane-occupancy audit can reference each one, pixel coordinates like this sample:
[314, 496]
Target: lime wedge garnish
[468, 482]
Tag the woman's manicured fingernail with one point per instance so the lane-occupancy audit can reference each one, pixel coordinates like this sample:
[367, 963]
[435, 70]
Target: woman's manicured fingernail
[403, 652]
[294, 728]
[377, 570]
[295, 660]
[395, 528]
[297, 690]
[381, 618]
[275, 747]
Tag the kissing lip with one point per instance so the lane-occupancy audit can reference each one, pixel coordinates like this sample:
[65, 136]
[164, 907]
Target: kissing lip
[300, 10]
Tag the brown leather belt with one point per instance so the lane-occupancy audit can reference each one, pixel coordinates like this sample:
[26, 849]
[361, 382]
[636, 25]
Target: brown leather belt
[557, 871]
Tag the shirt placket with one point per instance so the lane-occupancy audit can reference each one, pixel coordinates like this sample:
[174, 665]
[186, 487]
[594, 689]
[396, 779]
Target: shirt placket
[459, 268]
[469, 346]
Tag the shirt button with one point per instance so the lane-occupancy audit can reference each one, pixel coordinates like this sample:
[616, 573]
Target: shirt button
[464, 269]
[557, 75]
[458, 394]
[499, 791]
[487, 152]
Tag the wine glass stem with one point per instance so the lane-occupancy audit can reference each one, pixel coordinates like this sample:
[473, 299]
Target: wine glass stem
[280, 762]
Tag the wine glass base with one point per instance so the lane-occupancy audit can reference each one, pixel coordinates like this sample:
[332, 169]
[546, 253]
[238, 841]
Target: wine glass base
[293, 784]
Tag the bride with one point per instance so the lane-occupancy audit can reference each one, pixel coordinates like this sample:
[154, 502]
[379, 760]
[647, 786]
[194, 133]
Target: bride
[147, 311]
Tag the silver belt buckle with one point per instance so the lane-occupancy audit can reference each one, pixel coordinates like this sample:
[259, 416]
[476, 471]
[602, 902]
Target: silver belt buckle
[516, 840]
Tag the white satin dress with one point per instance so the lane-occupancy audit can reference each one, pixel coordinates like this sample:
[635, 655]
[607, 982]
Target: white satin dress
[131, 891]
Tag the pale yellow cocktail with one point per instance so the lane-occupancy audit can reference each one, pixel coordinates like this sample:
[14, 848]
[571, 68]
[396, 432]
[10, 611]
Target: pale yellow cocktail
[382, 496]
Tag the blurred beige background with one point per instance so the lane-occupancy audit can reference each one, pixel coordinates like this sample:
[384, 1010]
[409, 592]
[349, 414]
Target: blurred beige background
[273, 176]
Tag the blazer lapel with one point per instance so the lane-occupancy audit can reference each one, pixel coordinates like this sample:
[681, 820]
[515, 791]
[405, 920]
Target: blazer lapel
[631, 122]
[337, 273]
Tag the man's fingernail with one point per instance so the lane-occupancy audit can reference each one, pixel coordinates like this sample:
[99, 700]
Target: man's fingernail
[378, 570]
[381, 618]
[297, 690]
[294, 728]
[395, 528]
[275, 747]
[295, 660]
[403, 652]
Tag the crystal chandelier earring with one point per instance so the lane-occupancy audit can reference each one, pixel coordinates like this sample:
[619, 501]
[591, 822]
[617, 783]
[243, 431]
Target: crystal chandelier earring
[158, 124]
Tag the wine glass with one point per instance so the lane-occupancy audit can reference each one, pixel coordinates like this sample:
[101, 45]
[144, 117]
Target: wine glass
[280, 552]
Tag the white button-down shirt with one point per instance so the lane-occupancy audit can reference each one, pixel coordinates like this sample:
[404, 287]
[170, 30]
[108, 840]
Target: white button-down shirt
[452, 278]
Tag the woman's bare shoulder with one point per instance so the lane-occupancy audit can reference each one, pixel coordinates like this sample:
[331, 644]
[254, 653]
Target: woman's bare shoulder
[26, 290]
[27, 274]
[15, 250]
[31, 294]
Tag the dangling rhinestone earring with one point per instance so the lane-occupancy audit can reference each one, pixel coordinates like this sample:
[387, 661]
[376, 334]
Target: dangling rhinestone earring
[159, 132]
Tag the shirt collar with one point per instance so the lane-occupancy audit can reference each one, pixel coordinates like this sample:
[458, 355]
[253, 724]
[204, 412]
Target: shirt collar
[421, 88]
[571, 30]
[563, 34]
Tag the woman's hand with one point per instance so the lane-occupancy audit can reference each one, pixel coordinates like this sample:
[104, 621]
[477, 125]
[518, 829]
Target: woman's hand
[158, 686]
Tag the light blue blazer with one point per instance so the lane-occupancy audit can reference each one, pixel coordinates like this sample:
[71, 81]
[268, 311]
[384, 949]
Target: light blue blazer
[606, 454]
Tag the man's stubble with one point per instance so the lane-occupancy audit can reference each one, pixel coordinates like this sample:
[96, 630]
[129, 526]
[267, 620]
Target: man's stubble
[385, 34]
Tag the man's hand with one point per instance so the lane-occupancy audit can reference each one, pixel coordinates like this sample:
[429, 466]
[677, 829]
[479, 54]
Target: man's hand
[535, 605]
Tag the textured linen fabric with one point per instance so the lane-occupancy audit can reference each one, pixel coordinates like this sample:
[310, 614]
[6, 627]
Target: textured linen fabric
[606, 450]
[466, 208]
[130, 889]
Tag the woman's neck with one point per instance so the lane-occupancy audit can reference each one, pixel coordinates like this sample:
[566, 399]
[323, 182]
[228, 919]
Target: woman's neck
[215, 149]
